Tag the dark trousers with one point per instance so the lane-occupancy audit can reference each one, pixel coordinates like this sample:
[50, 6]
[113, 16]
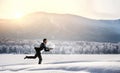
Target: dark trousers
[35, 56]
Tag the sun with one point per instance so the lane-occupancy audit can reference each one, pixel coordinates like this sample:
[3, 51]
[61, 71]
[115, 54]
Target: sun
[18, 15]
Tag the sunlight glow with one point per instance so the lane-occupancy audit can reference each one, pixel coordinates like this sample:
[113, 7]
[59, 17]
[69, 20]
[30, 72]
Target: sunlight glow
[17, 15]
[15, 8]
[96, 9]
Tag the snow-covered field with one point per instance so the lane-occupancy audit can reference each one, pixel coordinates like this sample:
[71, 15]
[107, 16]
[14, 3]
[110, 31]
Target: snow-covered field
[52, 63]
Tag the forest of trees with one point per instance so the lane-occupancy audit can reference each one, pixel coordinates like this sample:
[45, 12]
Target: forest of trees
[10, 46]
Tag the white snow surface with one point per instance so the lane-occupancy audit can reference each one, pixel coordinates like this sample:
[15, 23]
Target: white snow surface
[53, 63]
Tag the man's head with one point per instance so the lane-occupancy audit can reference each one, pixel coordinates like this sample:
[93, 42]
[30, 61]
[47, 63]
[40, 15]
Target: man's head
[45, 40]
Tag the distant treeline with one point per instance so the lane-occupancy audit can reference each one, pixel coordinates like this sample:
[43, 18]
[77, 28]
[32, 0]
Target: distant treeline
[61, 47]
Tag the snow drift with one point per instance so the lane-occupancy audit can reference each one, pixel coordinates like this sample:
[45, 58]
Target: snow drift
[61, 64]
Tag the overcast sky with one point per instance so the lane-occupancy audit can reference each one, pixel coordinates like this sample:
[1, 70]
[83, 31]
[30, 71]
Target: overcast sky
[96, 9]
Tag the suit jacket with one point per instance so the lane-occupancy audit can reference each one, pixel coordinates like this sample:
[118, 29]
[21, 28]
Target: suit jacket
[42, 47]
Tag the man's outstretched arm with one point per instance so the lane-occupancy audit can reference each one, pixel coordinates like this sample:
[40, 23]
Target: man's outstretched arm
[46, 48]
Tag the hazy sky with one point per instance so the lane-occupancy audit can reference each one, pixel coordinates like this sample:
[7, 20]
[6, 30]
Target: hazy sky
[97, 9]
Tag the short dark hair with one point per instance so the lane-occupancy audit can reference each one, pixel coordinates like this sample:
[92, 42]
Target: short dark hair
[44, 39]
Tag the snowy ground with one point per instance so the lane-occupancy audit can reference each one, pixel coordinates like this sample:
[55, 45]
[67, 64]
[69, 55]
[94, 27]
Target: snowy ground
[61, 64]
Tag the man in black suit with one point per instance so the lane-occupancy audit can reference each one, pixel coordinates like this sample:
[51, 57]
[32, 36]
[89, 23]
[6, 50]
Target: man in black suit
[38, 51]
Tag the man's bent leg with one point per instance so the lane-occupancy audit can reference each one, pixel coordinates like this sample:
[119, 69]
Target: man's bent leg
[31, 57]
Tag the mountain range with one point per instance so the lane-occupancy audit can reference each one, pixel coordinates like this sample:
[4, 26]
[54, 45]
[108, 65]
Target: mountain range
[60, 27]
